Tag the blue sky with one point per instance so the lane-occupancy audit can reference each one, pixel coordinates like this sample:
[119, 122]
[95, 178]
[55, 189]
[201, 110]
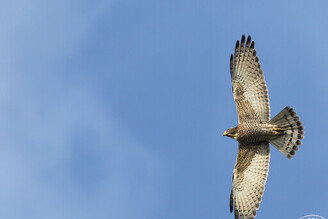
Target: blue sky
[116, 109]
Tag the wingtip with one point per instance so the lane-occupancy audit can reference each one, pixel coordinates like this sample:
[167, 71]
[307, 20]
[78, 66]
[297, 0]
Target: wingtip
[248, 42]
[231, 202]
[242, 43]
[237, 44]
[243, 38]
[253, 45]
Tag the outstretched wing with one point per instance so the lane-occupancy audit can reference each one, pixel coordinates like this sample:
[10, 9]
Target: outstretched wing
[249, 178]
[248, 85]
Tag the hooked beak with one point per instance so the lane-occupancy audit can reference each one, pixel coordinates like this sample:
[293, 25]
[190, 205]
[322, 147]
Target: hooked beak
[225, 134]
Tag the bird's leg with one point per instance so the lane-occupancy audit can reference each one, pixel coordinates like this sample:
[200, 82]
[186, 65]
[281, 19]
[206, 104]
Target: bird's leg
[278, 131]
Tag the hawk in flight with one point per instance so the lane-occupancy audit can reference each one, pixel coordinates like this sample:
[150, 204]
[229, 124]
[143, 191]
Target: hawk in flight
[255, 130]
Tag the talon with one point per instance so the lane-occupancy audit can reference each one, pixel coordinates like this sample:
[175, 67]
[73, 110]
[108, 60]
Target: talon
[278, 131]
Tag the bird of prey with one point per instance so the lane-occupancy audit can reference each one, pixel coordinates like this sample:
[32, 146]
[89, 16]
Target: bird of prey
[255, 130]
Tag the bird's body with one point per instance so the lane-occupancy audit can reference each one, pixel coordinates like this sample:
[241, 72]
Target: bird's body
[255, 131]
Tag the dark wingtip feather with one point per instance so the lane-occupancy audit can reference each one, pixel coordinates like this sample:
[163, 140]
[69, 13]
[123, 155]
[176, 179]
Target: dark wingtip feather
[243, 38]
[248, 42]
[231, 64]
[253, 45]
[242, 43]
[231, 202]
[237, 44]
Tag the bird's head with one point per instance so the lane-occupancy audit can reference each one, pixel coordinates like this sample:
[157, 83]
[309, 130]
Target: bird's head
[232, 133]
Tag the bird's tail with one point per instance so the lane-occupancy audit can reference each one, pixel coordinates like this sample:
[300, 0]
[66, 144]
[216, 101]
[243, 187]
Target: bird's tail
[289, 131]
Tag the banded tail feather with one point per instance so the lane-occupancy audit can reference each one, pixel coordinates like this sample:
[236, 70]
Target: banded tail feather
[289, 132]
